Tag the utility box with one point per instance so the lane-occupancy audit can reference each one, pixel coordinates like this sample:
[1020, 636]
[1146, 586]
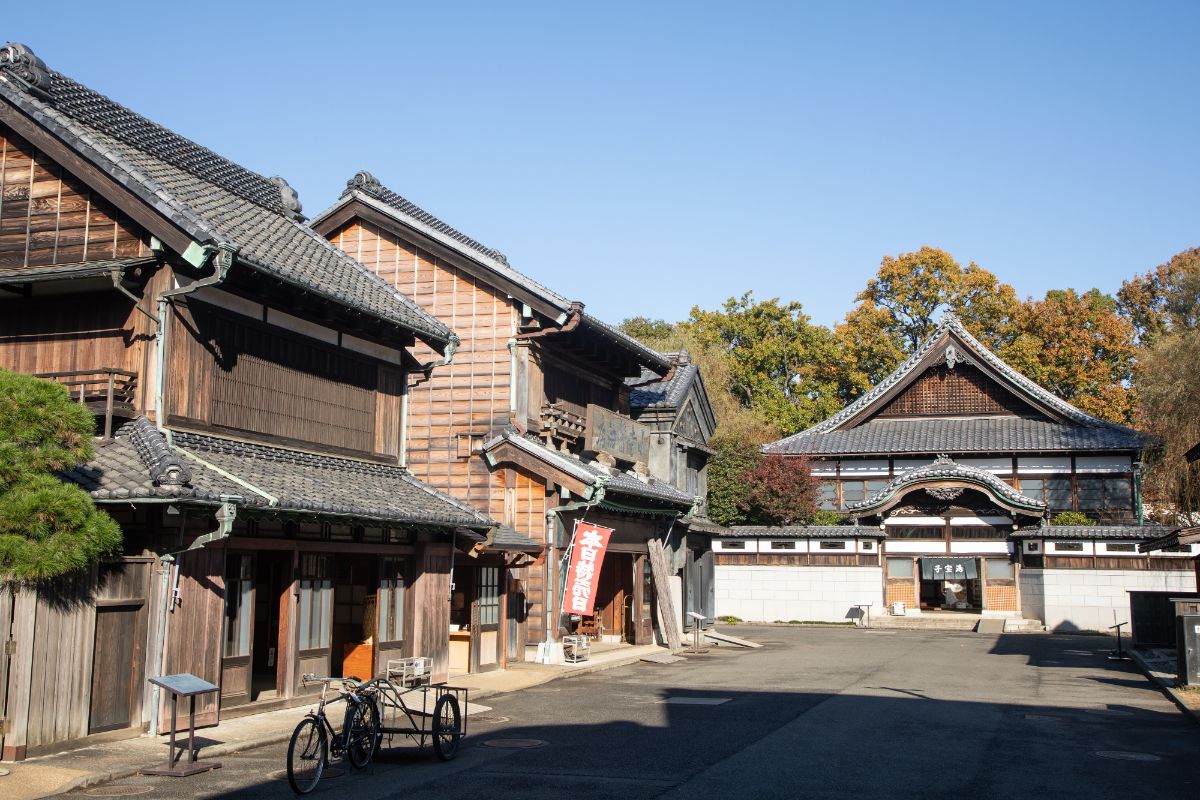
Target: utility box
[1187, 651]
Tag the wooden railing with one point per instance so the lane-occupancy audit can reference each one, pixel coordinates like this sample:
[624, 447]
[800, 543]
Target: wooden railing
[105, 391]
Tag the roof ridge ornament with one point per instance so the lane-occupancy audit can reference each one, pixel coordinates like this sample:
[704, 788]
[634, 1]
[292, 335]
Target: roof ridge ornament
[953, 357]
[289, 197]
[29, 71]
[364, 181]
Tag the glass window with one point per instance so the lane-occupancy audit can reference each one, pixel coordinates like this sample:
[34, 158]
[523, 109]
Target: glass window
[1058, 494]
[916, 532]
[316, 602]
[239, 601]
[1103, 494]
[977, 532]
[1120, 547]
[488, 592]
[1034, 488]
[876, 486]
[833, 545]
[828, 495]
[783, 545]
[900, 567]
[1000, 569]
[1068, 547]
[852, 492]
[733, 545]
[391, 600]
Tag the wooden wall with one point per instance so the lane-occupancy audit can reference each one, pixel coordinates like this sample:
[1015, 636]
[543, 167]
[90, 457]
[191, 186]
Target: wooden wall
[471, 395]
[962, 390]
[49, 217]
[234, 373]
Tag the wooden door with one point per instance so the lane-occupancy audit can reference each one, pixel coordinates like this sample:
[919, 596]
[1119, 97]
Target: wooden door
[315, 617]
[642, 611]
[486, 646]
[389, 631]
[113, 688]
[238, 648]
[194, 632]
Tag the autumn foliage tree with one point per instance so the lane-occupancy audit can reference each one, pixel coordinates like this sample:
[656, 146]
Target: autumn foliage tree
[780, 491]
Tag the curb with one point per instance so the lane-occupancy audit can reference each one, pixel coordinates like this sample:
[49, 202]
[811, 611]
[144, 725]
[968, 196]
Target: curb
[232, 748]
[1167, 687]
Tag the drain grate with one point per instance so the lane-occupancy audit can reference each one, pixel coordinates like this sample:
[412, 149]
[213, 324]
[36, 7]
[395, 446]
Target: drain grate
[493, 720]
[1127, 755]
[515, 744]
[120, 790]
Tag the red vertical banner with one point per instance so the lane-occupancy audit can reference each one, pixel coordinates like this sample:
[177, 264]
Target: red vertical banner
[583, 575]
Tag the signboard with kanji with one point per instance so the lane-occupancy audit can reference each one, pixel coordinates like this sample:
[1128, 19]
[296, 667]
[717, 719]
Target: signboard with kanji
[948, 569]
[583, 575]
[618, 436]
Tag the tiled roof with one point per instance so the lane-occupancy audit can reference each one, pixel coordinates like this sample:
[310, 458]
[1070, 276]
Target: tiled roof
[945, 469]
[614, 482]
[139, 463]
[959, 436]
[1077, 430]
[211, 198]
[506, 538]
[367, 189]
[804, 532]
[705, 525]
[650, 391]
[1052, 532]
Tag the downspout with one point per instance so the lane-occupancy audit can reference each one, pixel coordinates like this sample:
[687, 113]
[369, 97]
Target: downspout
[224, 257]
[552, 577]
[169, 589]
[445, 360]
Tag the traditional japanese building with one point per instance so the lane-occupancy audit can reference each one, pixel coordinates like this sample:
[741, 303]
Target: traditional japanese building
[249, 382]
[532, 423]
[949, 472]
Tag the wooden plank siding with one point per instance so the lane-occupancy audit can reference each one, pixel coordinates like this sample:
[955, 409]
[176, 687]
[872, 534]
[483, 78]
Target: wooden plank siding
[229, 372]
[49, 217]
[470, 396]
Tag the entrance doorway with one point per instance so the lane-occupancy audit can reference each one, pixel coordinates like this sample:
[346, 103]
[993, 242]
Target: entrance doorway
[354, 617]
[256, 590]
[951, 584]
[625, 599]
[476, 635]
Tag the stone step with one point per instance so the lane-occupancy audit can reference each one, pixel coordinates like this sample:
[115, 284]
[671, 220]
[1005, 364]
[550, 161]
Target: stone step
[940, 622]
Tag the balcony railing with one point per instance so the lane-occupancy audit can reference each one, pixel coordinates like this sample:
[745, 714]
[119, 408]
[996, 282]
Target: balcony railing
[106, 391]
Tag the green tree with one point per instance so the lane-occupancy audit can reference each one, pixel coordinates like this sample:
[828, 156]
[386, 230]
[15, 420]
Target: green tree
[648, 331]
[735, 456]
[780, 365]
[1079, 348]
[1165, 299]
[48, 528]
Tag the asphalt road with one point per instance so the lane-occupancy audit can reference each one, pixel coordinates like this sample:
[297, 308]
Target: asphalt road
[817, 713]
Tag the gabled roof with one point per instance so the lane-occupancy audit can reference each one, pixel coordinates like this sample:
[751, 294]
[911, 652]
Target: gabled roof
[212, 200]
[852, 430]
[140, 463]
[944, 475]
[591, 474]
[366, 189]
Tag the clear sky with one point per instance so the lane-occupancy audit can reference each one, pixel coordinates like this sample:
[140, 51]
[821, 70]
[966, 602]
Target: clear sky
[648, 157]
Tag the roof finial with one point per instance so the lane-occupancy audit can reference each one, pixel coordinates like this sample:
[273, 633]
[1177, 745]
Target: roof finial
[29, 71]
[364, 181]
[289, 197]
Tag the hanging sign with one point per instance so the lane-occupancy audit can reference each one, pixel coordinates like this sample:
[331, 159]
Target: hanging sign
[583, 575]
[948, 569]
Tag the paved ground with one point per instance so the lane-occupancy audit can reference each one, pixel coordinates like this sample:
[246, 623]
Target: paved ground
[817, 713]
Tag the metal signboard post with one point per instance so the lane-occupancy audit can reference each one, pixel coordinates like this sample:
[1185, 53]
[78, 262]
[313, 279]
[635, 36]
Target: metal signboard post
[187, 685]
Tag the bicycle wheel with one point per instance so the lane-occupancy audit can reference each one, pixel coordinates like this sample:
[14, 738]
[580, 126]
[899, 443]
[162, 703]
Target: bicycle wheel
[308, 753]
[447, 727]
[361, 731]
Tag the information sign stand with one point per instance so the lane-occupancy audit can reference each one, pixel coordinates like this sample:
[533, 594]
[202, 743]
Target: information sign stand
[184, 685]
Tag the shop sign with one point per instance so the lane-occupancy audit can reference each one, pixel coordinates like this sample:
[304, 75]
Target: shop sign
[620, 437]
[588, 546]
[948, 569]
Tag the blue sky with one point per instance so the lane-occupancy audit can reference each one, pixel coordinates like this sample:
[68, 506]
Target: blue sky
[648, 157]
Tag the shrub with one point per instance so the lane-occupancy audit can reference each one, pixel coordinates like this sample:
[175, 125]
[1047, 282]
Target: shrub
[1072, 518]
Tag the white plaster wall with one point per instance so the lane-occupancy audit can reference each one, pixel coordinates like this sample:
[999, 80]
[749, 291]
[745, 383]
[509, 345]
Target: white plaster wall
[1086, 599]
[770, 593]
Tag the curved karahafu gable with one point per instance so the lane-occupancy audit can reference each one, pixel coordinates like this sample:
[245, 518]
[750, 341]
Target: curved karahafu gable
[946, 479]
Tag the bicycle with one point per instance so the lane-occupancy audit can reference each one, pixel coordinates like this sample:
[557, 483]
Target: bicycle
[314, 740]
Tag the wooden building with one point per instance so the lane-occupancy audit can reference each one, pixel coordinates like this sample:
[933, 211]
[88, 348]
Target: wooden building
[949, 472]
[512, 424]
[249, 382]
